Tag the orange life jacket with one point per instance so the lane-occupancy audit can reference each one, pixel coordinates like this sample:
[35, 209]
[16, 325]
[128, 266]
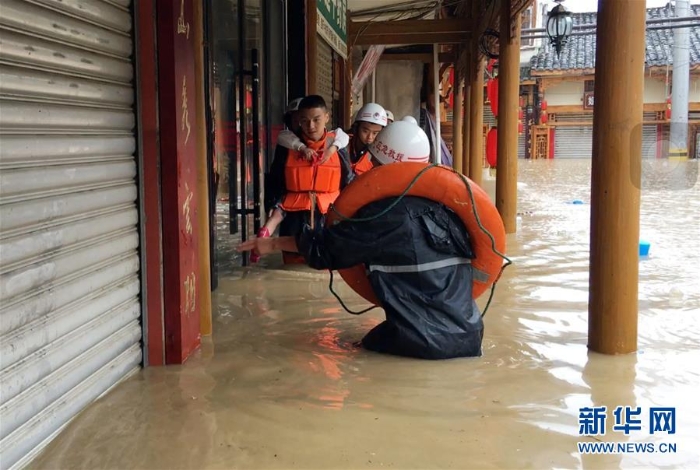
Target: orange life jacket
[363, 165]
[307, 180]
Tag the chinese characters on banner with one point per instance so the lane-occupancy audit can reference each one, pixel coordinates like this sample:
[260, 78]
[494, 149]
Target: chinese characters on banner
[332, 24]
[186, 155]
[178, 178]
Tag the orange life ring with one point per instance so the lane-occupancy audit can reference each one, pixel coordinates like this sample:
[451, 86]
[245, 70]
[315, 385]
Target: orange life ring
[438, 183]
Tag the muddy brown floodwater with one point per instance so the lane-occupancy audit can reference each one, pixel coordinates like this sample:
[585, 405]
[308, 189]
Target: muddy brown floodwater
[280, 386]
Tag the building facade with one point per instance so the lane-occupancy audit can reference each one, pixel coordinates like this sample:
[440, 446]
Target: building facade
[564, 89]
[120, 123]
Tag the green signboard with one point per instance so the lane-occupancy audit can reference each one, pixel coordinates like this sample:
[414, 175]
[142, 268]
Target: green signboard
[332, 24]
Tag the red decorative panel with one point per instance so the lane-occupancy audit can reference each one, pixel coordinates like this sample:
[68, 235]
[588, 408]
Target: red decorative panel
[178, 176]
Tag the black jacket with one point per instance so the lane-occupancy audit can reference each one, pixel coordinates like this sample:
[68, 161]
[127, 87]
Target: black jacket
[419, 260]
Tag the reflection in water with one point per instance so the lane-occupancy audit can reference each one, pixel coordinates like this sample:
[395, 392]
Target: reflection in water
[282, 386]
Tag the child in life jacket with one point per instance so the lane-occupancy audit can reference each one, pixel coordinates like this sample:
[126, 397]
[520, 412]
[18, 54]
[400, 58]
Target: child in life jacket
[369, 121]
[288, 141]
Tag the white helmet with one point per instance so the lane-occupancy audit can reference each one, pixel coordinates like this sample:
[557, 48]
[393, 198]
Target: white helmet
[401, 141]
[410, 119]
[389, 115]
[372, 113]
[293, 105]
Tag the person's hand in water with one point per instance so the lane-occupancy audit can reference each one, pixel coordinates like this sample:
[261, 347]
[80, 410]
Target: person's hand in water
[262, 246]
[265, 246]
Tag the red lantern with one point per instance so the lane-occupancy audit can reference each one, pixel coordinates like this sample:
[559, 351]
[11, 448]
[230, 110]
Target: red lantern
[520, 113]
[521, 102]
[543, 105]
[452, 87]
[668, 108]
[520, 127]
[492, 147]
[544, 117]
[490, 65]
[492, 95]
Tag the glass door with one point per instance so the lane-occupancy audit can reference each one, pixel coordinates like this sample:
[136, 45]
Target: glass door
[237, 101]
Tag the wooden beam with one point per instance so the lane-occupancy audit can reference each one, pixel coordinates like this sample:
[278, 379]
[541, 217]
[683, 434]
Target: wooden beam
[570, 74]
[425, 58]
[435, 37]
[519, 9]
[443, 57]
[374, 28]
[441, 31]
[550, 80]
[661, 70]
[573, 74]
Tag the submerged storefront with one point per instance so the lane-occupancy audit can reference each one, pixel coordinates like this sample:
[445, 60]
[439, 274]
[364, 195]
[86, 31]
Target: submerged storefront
[258, 60]
[247, 96]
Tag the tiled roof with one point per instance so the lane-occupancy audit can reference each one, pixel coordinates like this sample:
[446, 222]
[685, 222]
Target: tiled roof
[579, 53]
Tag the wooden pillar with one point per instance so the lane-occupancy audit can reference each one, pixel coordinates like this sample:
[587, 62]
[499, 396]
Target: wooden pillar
[616, 177]
[457, 98]
[476, 123]
[204, 277]
[508, 100]
[311, 48]
[180, 199]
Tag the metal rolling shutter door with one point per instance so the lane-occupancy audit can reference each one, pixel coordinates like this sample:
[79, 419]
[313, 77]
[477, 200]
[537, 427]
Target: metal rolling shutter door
[573, 142]
[649, 137]
[489, 118]
[69, 267]
[324, 74]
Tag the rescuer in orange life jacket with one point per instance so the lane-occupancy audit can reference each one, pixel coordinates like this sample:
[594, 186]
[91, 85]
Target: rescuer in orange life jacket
[417, 253]
[369, 121]
[309, 185]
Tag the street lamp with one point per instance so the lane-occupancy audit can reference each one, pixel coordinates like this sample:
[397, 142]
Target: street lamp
[559, 26]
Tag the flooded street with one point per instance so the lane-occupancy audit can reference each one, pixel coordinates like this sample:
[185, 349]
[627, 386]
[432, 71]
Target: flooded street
[281, 386]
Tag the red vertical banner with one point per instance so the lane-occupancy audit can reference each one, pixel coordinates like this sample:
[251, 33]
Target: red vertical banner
[179, 178]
